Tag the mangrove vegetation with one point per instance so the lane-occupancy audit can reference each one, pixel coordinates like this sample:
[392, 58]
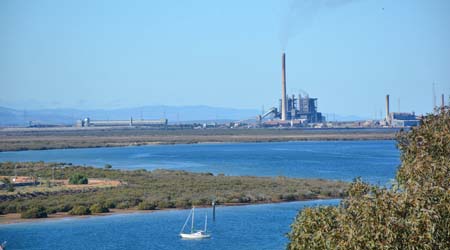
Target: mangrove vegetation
[146, 190]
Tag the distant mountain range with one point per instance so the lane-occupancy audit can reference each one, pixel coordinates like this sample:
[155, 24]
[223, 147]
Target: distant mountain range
[14, 117]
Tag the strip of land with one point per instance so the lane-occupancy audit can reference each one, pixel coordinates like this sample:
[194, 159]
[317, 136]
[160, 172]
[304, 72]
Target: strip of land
[127, 191]
[59, 138]
[14, 218]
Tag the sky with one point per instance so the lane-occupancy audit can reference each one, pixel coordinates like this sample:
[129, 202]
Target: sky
[110, 54]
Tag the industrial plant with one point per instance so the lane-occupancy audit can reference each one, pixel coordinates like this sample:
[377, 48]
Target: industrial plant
[299, 110]
[399, 119]
[292, 110]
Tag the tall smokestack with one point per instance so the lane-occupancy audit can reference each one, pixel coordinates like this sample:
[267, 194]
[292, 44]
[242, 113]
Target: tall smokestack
[283, 87]
[387, 110]
[442, 101]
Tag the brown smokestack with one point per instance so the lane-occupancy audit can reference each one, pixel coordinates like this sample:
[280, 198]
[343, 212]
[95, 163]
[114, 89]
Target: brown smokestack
[387, 109]
[283, 87]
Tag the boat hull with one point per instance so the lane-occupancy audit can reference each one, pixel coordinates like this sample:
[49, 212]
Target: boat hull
[195, 236]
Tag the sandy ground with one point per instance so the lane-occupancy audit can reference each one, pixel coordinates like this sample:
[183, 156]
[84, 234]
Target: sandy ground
[59, 185]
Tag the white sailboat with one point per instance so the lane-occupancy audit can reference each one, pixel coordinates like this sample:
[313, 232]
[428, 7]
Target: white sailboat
[194, 234]
[3, 246]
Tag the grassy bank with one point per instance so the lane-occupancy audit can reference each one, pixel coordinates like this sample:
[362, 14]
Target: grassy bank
[145, 190]
[39, 139]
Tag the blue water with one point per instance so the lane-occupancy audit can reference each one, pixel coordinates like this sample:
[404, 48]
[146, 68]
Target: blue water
[244, 227]
[374, 161]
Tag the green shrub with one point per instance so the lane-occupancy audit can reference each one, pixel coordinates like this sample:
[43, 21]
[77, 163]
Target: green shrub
[165, 204]
[80, 210]
[108, 166]
[289, 197]
[123, 205]
[413, 214]
[99, 208]
[34, 212]
[9, 186]
[110, 204]
[78, 179]
[64, 208]
[11, 208]
[183, 203]
[51, 210]
[147, 205]
[167, 188]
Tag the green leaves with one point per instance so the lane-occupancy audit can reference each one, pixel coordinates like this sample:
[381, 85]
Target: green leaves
[157, 189]
[78, 179]
[34, 212]
[413, 214]
[80, 210]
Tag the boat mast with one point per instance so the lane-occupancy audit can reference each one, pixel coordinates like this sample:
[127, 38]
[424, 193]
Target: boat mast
[206, 221]
[185, 223]
[193, 214]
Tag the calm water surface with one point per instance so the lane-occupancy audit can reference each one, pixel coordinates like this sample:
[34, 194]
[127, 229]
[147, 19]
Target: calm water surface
[246, 227]
[374, 161]
[243, 227]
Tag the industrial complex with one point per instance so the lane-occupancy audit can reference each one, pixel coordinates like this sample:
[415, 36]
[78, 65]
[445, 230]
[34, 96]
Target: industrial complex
[292, 110]
[399, 119]
[302, 111]
[295, 110]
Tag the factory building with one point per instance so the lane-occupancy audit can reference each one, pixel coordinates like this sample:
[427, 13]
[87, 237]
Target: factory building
[290, 108]
[87, 122]
[400, 119]
[302, 108]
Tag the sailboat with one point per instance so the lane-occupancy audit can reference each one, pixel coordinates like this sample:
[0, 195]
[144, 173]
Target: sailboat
[3, 246]
[194, 234]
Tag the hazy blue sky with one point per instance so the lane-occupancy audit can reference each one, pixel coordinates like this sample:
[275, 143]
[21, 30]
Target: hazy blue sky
[109, 54]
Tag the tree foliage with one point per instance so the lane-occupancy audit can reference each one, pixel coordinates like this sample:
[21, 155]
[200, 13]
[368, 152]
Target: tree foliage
[80, 210]
[99, 208]
[34, 212]
[8, 185]
[412, 214]
[78, 179]
[147, 205]
[161, 188]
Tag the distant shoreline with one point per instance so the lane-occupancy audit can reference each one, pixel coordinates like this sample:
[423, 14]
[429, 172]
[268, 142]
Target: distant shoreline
[8, 219]
[37, 139]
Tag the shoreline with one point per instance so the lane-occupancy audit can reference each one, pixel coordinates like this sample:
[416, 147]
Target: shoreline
[14, 218]
[201, 143]
[44, 140]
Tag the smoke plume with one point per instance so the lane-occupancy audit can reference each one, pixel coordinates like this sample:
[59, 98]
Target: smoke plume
[301, 13]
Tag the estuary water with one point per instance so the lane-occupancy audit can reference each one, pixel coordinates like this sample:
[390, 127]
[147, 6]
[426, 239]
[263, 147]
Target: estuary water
[241, 227]
[374, 161]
